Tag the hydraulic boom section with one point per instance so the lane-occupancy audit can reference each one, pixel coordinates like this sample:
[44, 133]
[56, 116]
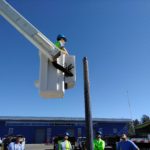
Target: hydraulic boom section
[57, 71]
[29, 31]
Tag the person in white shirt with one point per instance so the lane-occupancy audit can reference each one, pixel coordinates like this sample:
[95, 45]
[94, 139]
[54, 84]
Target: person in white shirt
[16, 145]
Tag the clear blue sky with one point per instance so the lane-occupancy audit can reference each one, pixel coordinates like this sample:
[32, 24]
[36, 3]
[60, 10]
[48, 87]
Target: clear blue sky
[115, 37]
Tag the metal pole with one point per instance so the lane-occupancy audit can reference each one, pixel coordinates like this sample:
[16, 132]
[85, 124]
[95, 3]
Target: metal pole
[88, 115]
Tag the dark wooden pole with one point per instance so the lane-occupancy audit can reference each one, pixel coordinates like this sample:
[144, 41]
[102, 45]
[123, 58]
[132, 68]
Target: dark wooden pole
[88, 114]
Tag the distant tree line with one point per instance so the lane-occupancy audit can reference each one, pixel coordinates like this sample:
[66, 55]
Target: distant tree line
[136, 122]
[143, 119]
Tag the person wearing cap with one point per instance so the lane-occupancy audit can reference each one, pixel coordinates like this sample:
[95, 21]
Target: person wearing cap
[66, 145]
[61, 41]
[98, 143]
[126, 144]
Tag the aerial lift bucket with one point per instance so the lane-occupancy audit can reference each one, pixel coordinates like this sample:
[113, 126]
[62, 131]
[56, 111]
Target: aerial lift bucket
[54, 79]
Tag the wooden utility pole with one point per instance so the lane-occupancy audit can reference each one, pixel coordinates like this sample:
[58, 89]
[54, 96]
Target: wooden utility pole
[88, 114]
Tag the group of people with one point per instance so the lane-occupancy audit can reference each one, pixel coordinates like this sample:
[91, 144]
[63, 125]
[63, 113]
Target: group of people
[123, 144]
[13, 143]
[65, 144]
[99, 144]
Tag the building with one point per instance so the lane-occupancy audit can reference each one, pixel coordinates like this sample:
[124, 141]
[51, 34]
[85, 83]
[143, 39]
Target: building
[43, 129]
[142, 138]
[143, 128]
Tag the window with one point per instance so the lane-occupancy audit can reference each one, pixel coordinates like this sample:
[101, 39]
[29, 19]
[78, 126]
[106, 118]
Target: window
[100, 129]
[49, 130]
[115, 130]
[10, 131]
[79, 132]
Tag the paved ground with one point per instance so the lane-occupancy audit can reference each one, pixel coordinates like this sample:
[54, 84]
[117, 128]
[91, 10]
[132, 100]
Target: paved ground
[38, 147]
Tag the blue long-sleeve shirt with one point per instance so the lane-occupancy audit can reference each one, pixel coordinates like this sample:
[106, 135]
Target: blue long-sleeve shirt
[126, 145]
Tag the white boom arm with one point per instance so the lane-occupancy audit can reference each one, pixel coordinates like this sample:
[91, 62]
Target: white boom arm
[53, 82]
[28, 30]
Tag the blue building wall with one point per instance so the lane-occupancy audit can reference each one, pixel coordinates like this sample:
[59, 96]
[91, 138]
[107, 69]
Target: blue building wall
[41, 132]
[108, 129]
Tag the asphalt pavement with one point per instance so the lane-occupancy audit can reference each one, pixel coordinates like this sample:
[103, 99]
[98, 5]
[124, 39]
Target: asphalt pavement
[39, 147]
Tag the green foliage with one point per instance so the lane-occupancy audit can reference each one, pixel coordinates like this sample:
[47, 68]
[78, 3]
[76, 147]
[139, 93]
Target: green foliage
[145, 118]
[136, 122]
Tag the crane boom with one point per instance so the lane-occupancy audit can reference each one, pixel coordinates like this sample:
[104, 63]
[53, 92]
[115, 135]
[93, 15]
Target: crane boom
[29, 31]
[57, 74]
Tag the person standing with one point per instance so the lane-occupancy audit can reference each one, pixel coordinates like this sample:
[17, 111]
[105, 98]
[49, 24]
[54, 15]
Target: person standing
[98, 143]
[126, 144]
[16, 145]
[66, 145]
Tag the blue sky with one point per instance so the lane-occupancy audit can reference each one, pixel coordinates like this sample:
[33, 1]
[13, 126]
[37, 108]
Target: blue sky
[113, 35]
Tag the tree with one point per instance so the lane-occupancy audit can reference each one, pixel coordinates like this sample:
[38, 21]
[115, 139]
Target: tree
[136, 122]
[145, 118]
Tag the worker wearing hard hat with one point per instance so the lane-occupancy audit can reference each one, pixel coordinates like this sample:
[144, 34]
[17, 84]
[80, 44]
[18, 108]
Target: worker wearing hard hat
[61, 41]
[98, 143]
[66, 145]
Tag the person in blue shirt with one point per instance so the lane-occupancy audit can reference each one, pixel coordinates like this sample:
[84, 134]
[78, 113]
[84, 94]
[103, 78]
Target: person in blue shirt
[126, 144]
